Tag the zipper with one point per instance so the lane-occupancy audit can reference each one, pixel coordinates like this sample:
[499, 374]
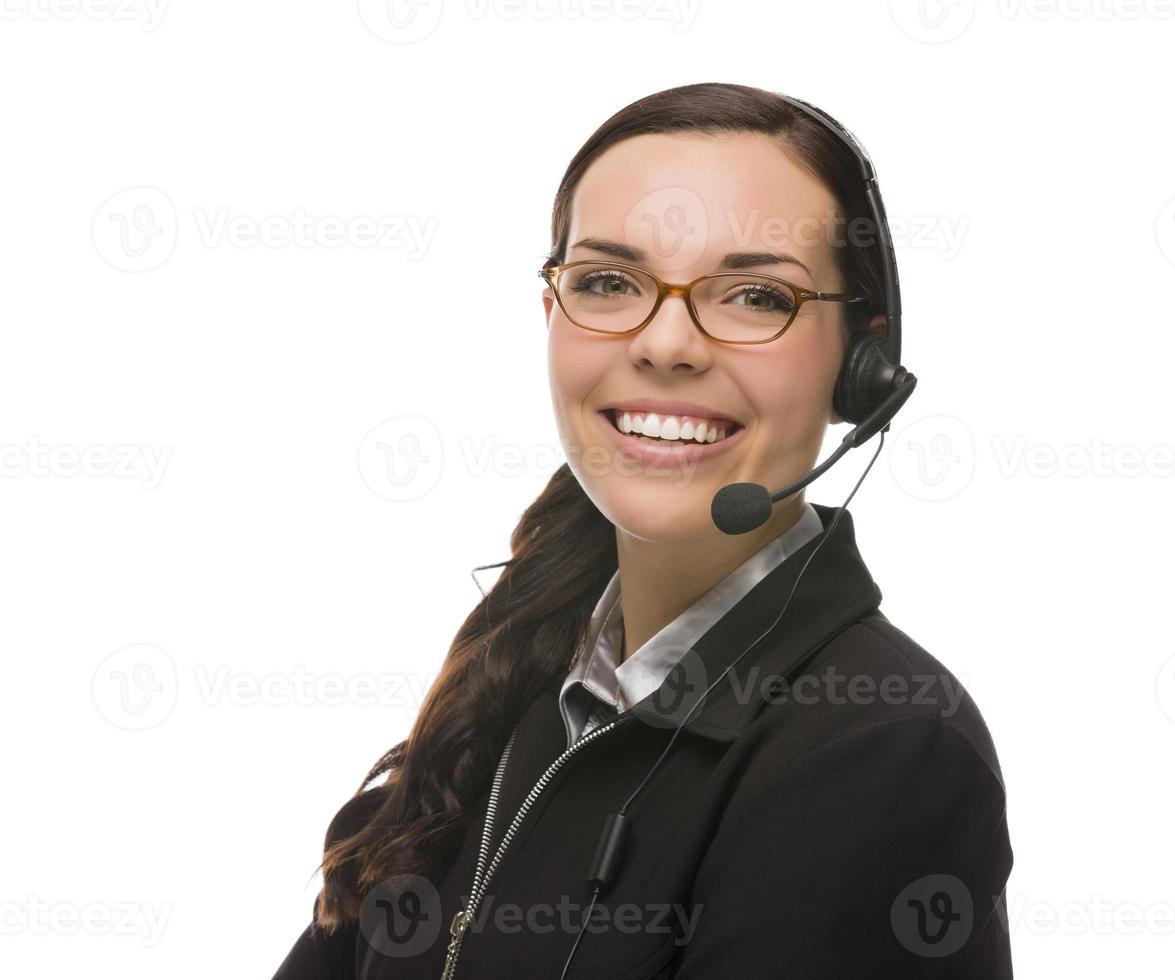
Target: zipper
[482, 874]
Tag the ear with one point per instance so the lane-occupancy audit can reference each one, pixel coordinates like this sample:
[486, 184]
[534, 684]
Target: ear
[875, 325]
[548, 305]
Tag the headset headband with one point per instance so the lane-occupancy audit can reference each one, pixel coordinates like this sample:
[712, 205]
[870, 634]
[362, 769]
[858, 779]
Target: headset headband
[892, 345]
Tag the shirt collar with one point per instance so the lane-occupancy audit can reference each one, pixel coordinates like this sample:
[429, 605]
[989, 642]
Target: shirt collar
[834, 590]
[600, 672]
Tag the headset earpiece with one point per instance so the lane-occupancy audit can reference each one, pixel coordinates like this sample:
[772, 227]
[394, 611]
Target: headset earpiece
[866, 378]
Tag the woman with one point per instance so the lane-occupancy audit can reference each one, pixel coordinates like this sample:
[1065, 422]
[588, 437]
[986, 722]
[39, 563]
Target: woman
[828, 804]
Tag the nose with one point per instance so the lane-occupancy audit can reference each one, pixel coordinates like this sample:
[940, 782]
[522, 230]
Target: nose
[671, 341]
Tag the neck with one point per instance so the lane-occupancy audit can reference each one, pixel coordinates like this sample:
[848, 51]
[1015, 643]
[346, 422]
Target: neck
[660, 580]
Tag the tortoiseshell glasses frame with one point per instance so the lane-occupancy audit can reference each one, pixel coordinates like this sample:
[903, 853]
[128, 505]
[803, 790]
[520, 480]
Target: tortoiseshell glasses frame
[553, 274]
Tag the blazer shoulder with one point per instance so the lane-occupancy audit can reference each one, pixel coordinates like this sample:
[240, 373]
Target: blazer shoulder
[896, 677]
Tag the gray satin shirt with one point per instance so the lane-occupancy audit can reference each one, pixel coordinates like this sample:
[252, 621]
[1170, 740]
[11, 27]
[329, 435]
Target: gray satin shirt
[598, 685]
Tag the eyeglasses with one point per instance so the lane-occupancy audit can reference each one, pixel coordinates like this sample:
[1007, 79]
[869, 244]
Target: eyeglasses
[731, 307]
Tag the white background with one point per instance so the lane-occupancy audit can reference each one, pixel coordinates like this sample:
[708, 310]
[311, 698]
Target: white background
[194, 509]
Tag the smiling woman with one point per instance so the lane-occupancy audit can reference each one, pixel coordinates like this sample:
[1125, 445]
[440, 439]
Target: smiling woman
[702, 300]
[764, 358]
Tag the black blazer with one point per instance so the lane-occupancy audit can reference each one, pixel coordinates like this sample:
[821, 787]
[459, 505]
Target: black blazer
[845, 820]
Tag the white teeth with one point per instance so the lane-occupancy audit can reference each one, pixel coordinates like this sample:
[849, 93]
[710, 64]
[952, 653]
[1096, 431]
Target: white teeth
[669, 428]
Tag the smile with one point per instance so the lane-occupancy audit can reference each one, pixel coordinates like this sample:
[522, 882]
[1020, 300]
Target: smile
[687, 442]
[671, 428]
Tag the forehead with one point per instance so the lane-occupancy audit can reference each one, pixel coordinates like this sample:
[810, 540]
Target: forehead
[687, 199]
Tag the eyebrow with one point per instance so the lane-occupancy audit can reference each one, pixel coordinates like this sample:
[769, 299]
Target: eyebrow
[731, 260]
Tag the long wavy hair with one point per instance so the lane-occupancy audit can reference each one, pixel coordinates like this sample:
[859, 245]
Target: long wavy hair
[521, 637]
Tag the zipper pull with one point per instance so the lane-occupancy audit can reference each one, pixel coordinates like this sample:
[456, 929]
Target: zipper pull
[457, 927]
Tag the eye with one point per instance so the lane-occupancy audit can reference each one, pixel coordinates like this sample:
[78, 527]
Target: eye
[613, 282]
[765, 299]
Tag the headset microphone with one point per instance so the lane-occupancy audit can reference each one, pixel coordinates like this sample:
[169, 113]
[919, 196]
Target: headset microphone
[741, 507]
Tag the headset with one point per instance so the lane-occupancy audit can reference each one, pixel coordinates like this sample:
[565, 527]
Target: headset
[870, 389]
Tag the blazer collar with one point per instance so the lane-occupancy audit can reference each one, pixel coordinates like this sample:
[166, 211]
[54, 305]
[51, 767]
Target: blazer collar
[834, 591]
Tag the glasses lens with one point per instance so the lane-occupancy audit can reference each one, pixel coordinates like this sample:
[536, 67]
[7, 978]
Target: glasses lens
[602, 297]
[740, 307]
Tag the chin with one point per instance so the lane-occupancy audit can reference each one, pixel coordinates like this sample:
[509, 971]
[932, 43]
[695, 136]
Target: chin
[663, 515]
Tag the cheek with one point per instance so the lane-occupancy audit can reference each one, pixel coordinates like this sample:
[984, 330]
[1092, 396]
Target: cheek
[563, 364]
[574, 365]
[796, 384]
[793, 393]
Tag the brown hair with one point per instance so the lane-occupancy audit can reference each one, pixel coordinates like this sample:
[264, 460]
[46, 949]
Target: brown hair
[520, 637]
